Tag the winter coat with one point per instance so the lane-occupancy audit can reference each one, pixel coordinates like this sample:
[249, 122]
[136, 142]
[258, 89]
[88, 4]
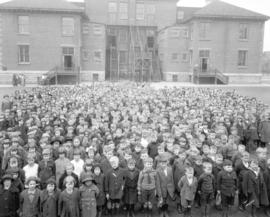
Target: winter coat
[165, 183]
[49, 204]
[105, 165]
[130, 190]
[187, 191]
[100, 183]
[28, 208]
[68, 205]
[45, 172]
[88, 203]
[254, 188]
[178, 172]
[114, 183]
[227, 183]
[9, 200]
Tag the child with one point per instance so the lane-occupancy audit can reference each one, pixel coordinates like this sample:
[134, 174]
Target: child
[16, 178]
[6, 104]
[227, 186]
[69, 205]
[254, 187]
[99, 179]
[46, 168]
[165, 185]
[49, 199]
[77, 162]
[60, 164]
[87, 168]
[9, 197]
[68, 172]
[188, 187]
[114, 184]
[30, 199]
[31, 168]
[88, 194]
[206, 188]
[130, 189]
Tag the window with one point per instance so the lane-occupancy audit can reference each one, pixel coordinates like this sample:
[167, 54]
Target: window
[85, 54]
[204, 53]
[85, 28]
[242, 57]
[243, 31]
[204, 30]
[190, 56]
[150, 41]
[184, 57]
[68, 26]
[180, 15]
[23, 24]
[97, 29]
[185, 32]
[191, 33]
[139, 11]
[123, 11]
[24, 55]
[112, 7]
[123, 57]
[123, 35]
[98, 56]
[68, 51]
[174, 57]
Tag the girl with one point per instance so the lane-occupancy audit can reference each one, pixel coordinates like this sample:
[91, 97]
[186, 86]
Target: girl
[31, 169]
[88, 195]
[30, 199]
[49, 199]
[68, 205]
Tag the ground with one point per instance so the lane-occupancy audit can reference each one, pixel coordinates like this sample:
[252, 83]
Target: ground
[260, 92]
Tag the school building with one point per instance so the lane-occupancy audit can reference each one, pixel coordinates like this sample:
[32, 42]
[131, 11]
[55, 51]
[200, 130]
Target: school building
[139, 40]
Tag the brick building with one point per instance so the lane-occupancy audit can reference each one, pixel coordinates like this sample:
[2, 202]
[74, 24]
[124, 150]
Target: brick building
[219, 41]
[141, 40]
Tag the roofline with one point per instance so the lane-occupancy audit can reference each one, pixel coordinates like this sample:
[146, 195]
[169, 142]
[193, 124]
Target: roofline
[49, 10]
[254, 18]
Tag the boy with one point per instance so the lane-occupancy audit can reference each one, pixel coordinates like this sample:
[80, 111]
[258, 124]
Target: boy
[165, 184]
[227, 186]
[206, 188]
[68, 172]
[147, 185]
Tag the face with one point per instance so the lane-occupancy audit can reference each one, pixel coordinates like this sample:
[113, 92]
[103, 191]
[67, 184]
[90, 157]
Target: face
[114, 164]
[46, 157]
[69, 169]
[32, 185]
[7, 183]
[30, 161]
[70, 185]
[228, 168]
[97, 171]
[88, 183]
[148, 165]
[208, 169]
[50, 187]
[131, 166]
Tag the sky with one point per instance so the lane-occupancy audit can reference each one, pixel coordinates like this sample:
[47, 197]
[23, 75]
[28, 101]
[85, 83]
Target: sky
[260, 6]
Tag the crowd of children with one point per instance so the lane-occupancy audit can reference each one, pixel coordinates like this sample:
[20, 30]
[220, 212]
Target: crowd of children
[109, 149]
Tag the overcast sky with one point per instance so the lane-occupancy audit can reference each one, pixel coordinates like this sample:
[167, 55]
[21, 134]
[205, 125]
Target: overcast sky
[260, 6]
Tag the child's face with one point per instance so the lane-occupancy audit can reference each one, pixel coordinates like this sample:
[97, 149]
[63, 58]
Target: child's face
[61, 155]
[208, 169]
[189, 173]
[30, 161]
[76, 157]
[46, 157]
[228, 168]
[170, 147]
[97, 171]
[69, 170]
[198, 162]
[131, 166]
[50, 187]
[7, 183]
[148, 165]
[219, 160]
[241, 148]
[88, 183]
[161, 150]
[114, 164]
[32, 185]
[70, 185]
[144, 156]
[76, 142]
[206, 149]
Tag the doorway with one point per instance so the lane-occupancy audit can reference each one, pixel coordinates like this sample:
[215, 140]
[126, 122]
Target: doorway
[68, 58]
[204, 60]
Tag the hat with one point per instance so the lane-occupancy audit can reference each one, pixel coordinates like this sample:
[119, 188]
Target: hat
[57, 139]
[51, 181]
[6, 176]
[227, 163]
[32, 178]
[87, 177]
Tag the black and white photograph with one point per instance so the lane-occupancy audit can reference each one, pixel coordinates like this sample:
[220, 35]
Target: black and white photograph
[135, 108]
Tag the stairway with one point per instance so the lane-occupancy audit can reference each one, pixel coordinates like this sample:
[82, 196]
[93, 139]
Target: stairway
[211, 76]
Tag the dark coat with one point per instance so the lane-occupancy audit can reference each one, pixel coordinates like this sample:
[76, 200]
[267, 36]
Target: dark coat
[10, 202]
[187, 191]
[130, 191]
[88, 203]
[165, 184]
[254, 188]
[49, 204]
[28, 208]
[264, 131]
[68, 205]
[227, 183]
[105, 165]
[45, 171]
[178, 172]
[114, 183]
[100, 183]
[266, 176]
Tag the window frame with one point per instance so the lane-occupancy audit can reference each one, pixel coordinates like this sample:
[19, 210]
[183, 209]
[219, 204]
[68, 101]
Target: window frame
[186, 59]
[95, 59]
[140, 16]
[20, 24]
[206, 30]
[246, 58]
[246, 32]
[72, 27]
[19, 54]
[123, 11]
[174, 60]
